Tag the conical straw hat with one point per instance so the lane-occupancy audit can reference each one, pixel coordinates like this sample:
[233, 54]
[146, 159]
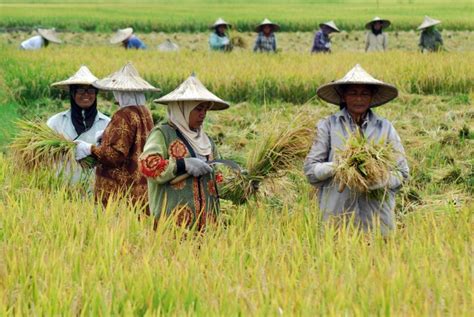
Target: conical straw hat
[385, 23]
[275, 26]
[427, 22]
[193, 90]
[50, 35]
[332, 92]
[82, 77]
[218, 22]
[168, 46]
[126, 79]
[330, 24]
[121, 35]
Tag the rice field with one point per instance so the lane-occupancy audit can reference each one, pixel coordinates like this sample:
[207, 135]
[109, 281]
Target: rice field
[270, 254]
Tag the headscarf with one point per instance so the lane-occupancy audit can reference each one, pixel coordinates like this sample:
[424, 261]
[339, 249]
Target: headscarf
[82, 119]
[178, 115]
[130, 98]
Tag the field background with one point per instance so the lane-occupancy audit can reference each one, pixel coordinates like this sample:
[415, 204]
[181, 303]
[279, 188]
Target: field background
[60, 254]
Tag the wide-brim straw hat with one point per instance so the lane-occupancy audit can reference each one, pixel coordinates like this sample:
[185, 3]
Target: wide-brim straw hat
[82, 77]
[126, 79]
[193, 90]
[218, 22]
[50, 35]
[330, 24]
[121, 35]
[385, 23]
[428, 22]
[168, 46]
[332, 92]
[275, 27]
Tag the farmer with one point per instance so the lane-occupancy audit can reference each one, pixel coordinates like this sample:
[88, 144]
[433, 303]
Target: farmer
[266, 40]
[181, 147]
[430, 39]
[122, 143]
[128, 39]
[377, 40]
[42, 40]
[82, 121]
[218, 40]
[322, 42]
[355, 94]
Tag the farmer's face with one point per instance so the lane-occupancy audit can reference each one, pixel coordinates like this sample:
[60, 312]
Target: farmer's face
[358, 99]
[85, 96]
[377, 26]
[267, 29]
[222, 28]
[197, 116]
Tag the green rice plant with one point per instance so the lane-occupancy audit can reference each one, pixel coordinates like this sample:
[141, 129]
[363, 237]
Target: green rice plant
[37, 145]
[362, 163]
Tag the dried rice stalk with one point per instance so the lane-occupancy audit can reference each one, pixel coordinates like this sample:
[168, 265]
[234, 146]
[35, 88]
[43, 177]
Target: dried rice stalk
[363, 163]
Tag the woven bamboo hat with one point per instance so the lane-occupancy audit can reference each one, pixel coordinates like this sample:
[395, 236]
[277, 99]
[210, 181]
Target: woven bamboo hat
[332, 92]
[385, 23]
[82, 77]
[50, 35]
[274, 26]
[218, 22]
[330, 24]
[126, 79]
[168, 46]
[428, 22]
[193, 90]
[121, 35]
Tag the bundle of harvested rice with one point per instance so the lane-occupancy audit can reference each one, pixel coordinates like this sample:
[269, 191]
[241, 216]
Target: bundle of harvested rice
[37, 145]
[363, 163]
[238, 41]
[271, 155]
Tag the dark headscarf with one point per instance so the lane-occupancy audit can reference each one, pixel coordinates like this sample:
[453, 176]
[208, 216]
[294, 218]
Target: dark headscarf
[82, 119]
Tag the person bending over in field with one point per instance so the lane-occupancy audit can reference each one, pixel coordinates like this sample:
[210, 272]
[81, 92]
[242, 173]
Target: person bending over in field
[430, 38]
[82, 121]
[175, 160]
[219, 40]
[42, 40]
[355, 94]
[122, 142]
[322, 42]
[128, 39]
[266, 39]
[377, 40]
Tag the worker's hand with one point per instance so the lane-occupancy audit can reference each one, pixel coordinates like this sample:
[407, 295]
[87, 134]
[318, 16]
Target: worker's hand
[323, 171]
[98, 136]
[394, 181]
[327, 45]
[196, 167]
[83, 149]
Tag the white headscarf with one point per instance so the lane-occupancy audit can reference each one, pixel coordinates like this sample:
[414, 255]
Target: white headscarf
[129, 98]
[178, 114]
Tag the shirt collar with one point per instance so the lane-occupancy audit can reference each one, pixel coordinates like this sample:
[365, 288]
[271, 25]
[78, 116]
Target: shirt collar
[370, 117]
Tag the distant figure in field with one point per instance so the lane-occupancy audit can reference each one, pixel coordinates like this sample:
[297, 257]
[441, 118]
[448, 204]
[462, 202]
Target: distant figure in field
[430, 39]
[266, 40]
[128, 39]
[42, 40]
[219, 40]
[322, 42]
[377, 40]
[168, 46]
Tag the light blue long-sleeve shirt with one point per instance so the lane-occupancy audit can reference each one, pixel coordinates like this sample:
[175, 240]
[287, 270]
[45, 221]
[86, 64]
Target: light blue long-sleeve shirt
[218, 43]
[332, 133]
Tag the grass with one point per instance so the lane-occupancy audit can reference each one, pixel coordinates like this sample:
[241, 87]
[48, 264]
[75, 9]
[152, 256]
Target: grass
[196, 16]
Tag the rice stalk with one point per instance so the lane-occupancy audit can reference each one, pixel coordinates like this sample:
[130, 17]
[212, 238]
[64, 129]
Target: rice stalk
[363, 163]
[37, 145]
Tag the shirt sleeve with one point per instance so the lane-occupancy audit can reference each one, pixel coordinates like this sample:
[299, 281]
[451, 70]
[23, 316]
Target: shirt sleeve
[385, 41]
[367, 41]
[155, 163]
[257, 44]
[402, 164]
[319, 152]
[117, 141]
